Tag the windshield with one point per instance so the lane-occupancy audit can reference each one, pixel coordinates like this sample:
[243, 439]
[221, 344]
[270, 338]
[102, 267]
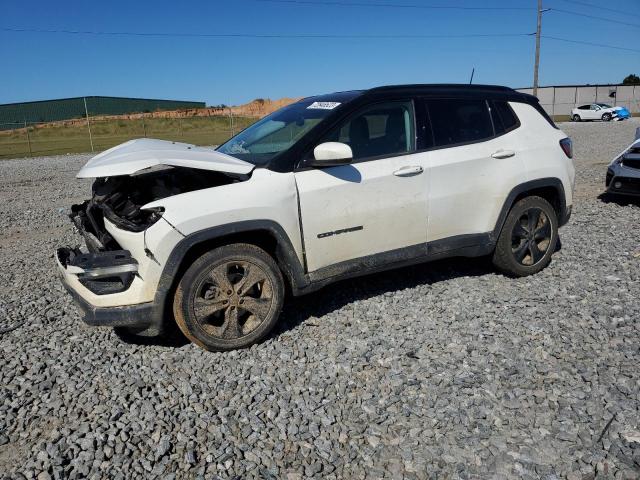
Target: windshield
[277, 132]
[604, 105]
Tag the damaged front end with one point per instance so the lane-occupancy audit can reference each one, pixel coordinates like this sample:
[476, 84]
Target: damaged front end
[121, 200]
[117, 270]
[623, 174]
[117, 205]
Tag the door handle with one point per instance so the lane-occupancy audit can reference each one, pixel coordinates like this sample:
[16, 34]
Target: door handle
[503, 154]
[408, 171]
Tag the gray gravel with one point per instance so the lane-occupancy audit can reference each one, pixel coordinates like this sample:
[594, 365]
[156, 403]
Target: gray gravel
[446, 370]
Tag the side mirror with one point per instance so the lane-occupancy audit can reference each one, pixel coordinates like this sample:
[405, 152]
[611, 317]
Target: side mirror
[330, 154]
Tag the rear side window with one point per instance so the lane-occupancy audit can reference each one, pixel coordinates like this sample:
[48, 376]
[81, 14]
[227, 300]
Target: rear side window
[504, 119]
[456, 121]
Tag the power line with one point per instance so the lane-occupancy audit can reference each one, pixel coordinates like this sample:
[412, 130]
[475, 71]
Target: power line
[257, 35]
[389, 5]
[603, 19]
[301, 35]
[591, 5]
[590, 43]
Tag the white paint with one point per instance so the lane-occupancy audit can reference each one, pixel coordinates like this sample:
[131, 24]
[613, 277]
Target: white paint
[392, 210]
[332, 151]
[143, 153]
[469, 184]
[267, 195]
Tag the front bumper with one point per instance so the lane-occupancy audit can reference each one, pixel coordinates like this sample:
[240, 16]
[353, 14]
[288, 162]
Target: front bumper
[623, 180]
[136, 316]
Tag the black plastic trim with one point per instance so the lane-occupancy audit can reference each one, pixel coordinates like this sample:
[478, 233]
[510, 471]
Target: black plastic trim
[472, 245]
[630, 186]
[285, 256]
[528, 186]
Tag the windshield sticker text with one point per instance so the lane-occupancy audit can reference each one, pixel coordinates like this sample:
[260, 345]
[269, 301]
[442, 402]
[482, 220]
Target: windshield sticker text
[324, 105]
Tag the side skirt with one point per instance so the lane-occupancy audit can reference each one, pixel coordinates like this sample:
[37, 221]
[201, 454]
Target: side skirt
[474, 245]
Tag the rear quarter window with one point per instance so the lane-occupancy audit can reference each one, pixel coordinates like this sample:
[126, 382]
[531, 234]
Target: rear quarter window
[504, 118]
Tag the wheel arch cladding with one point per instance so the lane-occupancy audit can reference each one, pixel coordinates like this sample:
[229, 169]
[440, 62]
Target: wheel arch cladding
[264, 234]
[551, 189]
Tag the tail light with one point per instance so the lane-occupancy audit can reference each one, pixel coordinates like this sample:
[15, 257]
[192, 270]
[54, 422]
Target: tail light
[567, 147]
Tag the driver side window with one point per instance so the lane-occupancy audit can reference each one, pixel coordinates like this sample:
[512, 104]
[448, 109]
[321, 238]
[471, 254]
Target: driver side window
[383, 129]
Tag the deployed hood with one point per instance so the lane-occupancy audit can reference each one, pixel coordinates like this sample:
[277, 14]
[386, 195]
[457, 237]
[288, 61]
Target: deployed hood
[143, 153]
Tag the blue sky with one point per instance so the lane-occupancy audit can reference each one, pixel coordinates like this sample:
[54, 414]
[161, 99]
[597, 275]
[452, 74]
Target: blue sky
[235, 70]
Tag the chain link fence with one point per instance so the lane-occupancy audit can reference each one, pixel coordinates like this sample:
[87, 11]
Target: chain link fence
[94, 134]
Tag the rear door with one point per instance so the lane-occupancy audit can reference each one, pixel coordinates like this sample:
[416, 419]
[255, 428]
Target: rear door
[473, 166]
[376, 204]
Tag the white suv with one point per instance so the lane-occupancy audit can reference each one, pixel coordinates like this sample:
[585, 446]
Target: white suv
[330, 187]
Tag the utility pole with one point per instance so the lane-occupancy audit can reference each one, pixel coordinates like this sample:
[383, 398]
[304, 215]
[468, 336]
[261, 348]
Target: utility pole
[537, 62]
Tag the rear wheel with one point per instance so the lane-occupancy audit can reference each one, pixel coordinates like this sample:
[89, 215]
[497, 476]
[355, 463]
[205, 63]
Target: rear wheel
[229, 298]
[576, 118]
[528, 238]
[606, 117]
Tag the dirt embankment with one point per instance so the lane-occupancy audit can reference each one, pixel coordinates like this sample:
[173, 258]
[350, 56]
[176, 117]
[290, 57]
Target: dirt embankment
[257, 108]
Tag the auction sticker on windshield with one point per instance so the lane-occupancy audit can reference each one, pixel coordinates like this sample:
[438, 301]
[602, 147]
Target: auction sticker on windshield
[324, 105]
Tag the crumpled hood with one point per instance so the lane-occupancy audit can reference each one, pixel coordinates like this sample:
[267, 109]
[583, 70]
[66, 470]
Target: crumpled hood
[135, 155]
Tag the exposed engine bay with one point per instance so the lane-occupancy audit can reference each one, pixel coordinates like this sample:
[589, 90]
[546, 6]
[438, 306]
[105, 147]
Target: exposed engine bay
[120, 198]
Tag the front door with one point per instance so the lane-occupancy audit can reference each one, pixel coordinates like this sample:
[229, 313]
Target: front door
[376, 204]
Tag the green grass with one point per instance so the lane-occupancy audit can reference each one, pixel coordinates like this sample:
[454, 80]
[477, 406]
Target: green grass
[60, 139]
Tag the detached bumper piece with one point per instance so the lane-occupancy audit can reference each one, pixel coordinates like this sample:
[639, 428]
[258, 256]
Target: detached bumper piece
[101, 273]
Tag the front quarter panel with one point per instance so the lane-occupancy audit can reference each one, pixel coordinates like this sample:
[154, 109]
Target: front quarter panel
[267, 195]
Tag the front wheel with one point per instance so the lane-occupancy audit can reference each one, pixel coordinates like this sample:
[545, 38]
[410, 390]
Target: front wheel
[229, 298]
[606, 117]
[528, 238]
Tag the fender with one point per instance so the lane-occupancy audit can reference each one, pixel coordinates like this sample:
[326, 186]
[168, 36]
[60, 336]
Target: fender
[553, 182]
[285, 256]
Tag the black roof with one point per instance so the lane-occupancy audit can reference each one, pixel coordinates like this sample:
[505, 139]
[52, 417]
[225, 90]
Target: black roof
[440, 87]
[427, 89]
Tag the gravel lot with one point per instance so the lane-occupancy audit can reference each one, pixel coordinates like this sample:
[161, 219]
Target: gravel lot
[446, 370]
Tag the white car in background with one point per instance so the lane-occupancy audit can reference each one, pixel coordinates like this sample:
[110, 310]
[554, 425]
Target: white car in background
[598, 111]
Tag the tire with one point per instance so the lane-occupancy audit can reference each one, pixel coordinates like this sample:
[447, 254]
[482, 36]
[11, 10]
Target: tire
[576, 118]
[519, 253]
[606, 117]
[211, 303]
